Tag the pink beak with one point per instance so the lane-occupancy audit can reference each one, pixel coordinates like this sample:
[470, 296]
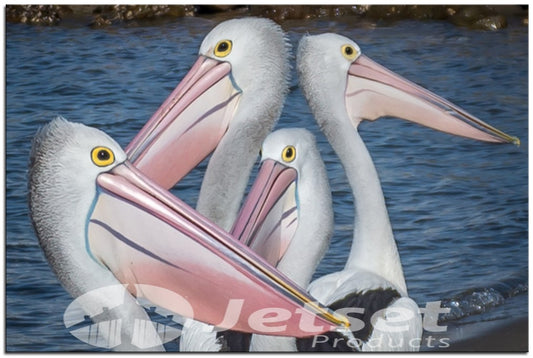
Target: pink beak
[149, 239]
[269, 217]
[189, 124]
[373, 91]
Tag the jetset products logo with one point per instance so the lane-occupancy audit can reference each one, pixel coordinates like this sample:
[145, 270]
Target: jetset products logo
[109, 317]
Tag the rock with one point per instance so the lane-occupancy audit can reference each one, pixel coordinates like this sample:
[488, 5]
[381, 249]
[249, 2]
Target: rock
[217, 8]
[492, 23]
[279, 12]
[470, 14]
[35, 14]
[108, 15]
[421, 12]
[484, 17]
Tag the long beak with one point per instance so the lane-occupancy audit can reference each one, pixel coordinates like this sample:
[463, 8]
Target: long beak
[155, 243]
[269, 217]
[189, 124]
[373, 91]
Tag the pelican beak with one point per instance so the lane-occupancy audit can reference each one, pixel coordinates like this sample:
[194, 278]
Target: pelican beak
[189, 124]
[269, 217]
[373, 91]
[157, 245]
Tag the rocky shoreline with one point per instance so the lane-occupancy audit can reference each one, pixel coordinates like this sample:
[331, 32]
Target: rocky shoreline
[481, 17]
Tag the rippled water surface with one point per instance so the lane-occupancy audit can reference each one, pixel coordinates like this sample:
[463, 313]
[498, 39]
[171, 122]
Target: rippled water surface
[458, 207]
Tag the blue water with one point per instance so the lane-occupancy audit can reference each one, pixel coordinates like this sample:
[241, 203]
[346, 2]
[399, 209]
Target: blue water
[459, 208]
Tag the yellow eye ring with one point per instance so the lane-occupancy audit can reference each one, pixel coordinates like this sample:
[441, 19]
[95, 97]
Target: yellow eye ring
[349, 52]
[288, 154]
[102, 156]
[223, 48]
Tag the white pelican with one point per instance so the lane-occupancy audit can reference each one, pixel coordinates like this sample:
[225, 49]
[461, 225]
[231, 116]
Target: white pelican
[278, 187]
[344, 87]
[101, 222]
[290, 200]
[288, 213]
[229, 100]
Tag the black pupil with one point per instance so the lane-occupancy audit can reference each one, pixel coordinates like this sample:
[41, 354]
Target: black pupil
[348, 51]
[223, 46]
[289, 152]
[103, 155]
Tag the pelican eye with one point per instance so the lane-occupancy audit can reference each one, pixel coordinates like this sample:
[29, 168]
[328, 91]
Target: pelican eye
[349, 52]
[288, 154]
[102, 156]
[223, 48]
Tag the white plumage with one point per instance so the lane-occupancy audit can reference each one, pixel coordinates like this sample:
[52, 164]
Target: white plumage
[62, 186]
[374, 263]
[259, 60]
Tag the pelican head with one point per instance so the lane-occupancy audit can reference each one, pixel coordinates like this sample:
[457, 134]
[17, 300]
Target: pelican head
[290, 202]
[100, 221]
[236, 88]
[337, 78]
[258, 52]
[65, 160]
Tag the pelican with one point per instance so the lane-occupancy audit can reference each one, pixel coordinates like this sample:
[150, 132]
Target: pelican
[344, 87]
[274, 194]
[291, 201]
[101, 222]
[228, 102]
[288, 214]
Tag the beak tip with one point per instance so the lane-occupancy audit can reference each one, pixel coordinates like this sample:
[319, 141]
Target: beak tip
[515, 141]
